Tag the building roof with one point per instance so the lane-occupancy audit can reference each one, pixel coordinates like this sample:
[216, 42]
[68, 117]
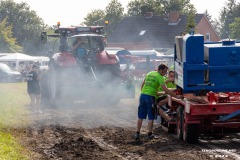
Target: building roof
[155, 30]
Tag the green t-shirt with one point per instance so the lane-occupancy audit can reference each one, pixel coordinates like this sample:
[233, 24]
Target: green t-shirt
[169, 85]
[152, 82]
[160, 88]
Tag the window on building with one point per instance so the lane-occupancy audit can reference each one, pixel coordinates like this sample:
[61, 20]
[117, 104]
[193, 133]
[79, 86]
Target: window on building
[142, 32]
[208, 37]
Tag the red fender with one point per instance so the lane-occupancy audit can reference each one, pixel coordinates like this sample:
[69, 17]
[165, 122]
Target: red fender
[105, 58]
[64, 59]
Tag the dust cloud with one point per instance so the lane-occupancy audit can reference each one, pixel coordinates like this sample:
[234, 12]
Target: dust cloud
[90, 98]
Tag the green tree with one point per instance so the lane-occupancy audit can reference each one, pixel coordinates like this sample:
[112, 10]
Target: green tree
[113, 14]
[140, 7]
[134, 8]
[182, 6]
[208, 16]
[215, 23]
[227, 16]
[52, 42]
[158, 7]
[26, 24]
[7, 42]
[96, 17]
[190, 26]
[235, 29]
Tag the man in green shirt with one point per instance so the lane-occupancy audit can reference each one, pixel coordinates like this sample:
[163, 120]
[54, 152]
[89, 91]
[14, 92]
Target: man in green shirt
[149, 90]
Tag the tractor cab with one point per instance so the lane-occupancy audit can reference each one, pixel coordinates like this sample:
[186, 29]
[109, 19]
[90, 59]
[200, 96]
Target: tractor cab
[90, 43]
[92, 35]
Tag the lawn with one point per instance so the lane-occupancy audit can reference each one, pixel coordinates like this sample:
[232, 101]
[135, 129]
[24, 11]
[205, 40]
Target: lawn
[13, 116]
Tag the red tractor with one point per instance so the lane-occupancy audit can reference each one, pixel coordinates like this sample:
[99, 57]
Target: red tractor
[86, 72]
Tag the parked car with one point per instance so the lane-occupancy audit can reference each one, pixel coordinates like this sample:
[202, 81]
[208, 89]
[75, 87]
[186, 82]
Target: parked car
[8, 75]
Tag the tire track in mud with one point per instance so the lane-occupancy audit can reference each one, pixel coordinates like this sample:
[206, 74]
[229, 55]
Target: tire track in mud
[57, 142]
[104, 145]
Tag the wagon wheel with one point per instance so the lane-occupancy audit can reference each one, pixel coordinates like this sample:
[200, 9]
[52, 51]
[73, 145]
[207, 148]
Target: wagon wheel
[191, 133]
[180, 119]
[44, 88]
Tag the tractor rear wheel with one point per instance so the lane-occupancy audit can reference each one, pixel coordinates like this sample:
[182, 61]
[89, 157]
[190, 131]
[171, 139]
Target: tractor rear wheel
[44, 88]
[53, 85]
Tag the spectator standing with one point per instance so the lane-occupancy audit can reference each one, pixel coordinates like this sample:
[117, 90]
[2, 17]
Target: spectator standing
[149, 89]
[33, 88]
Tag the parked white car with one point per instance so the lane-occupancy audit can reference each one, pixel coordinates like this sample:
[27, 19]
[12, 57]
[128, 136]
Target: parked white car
[8, 75]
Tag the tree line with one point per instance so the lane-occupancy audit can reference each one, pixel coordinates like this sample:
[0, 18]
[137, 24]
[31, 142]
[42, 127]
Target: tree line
[21, 27]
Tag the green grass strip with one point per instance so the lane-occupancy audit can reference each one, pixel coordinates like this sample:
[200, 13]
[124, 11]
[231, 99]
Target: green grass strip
[13, 115]
[10, 149]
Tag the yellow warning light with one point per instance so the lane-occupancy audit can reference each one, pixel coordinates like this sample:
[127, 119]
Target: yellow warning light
[106, 22]
[58, 24]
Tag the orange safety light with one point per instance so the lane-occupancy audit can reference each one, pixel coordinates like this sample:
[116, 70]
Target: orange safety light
[58, 24]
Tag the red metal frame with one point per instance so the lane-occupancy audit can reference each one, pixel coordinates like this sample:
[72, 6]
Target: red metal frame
[207, 115]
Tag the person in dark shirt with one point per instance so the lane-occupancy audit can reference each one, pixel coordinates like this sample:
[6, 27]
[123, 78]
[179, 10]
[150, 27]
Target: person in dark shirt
[33, 88]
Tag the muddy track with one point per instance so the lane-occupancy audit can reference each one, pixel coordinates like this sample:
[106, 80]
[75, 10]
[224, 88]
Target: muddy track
[95, 132]
[58, 142]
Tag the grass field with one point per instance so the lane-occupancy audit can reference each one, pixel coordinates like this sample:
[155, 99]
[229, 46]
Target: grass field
[13, 114]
